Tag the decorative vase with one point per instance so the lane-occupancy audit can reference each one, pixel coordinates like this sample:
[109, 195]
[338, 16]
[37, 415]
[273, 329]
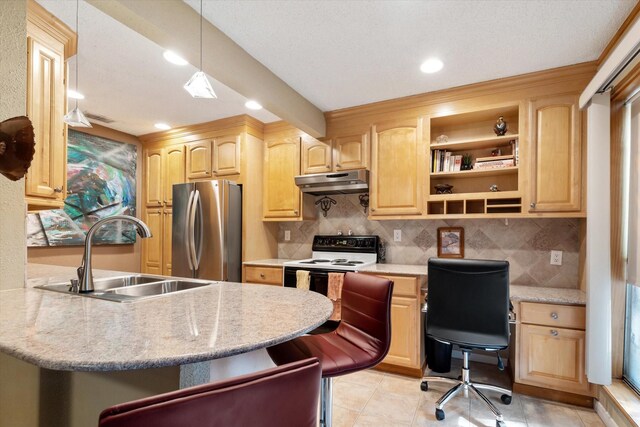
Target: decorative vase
[500, 128]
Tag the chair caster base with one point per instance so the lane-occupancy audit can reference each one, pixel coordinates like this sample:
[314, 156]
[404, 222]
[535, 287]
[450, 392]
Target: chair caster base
[501, 424]
[440, 415]
[506, 399]
[424, 386]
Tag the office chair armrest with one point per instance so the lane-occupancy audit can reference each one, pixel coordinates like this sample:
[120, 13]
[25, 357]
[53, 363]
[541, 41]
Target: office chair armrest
[424, 307]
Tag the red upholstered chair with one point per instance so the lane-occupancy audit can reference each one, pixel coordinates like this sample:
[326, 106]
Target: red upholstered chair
[361, 340]
[283, 396]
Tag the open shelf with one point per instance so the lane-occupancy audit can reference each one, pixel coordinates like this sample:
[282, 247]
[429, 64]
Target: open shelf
[477, 172]
[475, 143]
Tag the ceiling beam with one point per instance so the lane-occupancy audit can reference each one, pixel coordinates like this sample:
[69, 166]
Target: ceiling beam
[172, 24]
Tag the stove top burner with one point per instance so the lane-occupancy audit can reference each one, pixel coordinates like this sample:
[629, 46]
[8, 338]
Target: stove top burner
[346, 264]
[339, 260]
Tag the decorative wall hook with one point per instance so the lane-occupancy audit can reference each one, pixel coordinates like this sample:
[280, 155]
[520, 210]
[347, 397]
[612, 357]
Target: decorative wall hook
[325, 204]
[364, 201]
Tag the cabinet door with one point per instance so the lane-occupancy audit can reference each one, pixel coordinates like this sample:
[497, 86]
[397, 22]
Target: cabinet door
[316, 156]
[226, 155]
[166, 241]
[556, 154]
[199, 159]
[152, 246]
[153, 167]
[351, 152]
[281, 165]
[553, 358]
[173, 171]
[398, 166]
[404, 350]
[46, 178]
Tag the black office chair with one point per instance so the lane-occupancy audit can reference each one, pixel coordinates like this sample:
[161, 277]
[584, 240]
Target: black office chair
[468, 306]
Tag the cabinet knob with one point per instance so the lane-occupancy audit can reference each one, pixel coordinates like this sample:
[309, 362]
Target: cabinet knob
[262, 275]
[58, 189]
[329, 166]
[338, 165]
[159, 203]
[554, 315]
[372, 209]
[554, 332]
[533, 204]
[295, 212]
[215, 171]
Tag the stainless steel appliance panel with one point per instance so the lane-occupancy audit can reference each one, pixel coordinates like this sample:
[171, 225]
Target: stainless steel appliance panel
[234, 233]
[210, 229]
[181, 264]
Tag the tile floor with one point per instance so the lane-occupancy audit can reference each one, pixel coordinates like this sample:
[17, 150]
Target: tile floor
[373, 398]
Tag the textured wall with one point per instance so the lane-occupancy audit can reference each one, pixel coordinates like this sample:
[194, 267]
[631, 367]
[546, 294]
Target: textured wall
[13, 95]
[525, 243]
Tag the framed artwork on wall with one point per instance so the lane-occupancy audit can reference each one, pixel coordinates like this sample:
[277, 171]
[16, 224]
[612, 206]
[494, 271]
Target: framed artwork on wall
[450, 242]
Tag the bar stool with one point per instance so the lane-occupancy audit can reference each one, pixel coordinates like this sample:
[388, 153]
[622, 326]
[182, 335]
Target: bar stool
[361, 340]
[282, 396]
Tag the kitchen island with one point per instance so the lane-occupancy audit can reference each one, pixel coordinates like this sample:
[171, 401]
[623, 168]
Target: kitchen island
[78, 355]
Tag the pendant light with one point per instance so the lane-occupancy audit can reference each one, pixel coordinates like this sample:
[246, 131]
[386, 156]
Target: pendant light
[198, 85]
[75, 117]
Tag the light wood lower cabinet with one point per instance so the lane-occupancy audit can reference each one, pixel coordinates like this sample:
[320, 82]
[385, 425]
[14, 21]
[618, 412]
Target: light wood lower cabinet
[406, 352]
[263, 275]
[551, 347]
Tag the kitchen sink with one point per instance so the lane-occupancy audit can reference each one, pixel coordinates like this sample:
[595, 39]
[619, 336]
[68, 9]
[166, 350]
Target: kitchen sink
[130, 288]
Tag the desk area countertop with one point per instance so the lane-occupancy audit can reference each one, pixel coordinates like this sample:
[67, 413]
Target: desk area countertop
[67, 332]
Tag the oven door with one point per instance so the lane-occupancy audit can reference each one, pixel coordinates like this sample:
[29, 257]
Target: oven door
[318, 278]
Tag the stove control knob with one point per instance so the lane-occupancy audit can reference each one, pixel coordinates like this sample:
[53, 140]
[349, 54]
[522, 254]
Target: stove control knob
[339, 232]
[350, 233]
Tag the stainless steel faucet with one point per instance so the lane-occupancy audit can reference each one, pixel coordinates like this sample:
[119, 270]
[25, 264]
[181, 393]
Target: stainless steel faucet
[85, 275]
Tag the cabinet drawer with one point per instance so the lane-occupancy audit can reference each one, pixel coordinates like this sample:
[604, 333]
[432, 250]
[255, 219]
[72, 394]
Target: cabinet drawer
[267, 275]
[402, 285]
[564, 316]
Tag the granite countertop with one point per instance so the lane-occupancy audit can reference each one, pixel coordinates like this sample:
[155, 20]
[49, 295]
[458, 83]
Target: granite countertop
[412, 270]
[547, 295]
[68, 332]
[272, 262]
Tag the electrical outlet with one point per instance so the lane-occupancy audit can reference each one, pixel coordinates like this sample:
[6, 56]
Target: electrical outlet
[287, 235]
[556, 257]
[397, 235]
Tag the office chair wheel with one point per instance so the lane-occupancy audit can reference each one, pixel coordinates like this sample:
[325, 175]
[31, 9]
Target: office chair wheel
[439, 414]
[424, 386]
[506, 399]
[501, 424]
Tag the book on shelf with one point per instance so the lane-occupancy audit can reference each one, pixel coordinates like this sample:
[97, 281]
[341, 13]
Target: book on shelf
[447, 161]
[457, 163]
[494, 158]
[494, 164]
[514, 150]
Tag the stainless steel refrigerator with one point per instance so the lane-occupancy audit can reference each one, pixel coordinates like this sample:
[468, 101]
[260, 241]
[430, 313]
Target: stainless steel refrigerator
[207, 230]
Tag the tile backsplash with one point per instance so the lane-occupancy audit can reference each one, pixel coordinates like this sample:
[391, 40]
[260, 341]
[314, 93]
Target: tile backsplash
[525, 243]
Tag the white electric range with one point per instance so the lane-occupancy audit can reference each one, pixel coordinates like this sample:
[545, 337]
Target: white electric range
[333, 254]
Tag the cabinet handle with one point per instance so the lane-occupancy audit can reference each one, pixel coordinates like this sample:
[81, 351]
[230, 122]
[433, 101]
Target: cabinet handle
[554, 315]
[554, 332]
[262, 275]
[533, 204]
[58, 189]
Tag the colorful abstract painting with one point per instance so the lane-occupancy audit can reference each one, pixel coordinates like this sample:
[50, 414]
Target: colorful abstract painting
[101, 182]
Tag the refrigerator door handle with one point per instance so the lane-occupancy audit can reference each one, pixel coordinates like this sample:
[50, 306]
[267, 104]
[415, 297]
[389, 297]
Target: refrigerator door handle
[188, 230]
[192, 230]
[200, 218]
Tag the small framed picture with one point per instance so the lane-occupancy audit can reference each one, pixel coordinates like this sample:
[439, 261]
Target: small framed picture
[450, 242]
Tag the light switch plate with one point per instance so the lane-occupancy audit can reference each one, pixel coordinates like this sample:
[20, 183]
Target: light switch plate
[287, 235]
[397, 235]
[556, 257]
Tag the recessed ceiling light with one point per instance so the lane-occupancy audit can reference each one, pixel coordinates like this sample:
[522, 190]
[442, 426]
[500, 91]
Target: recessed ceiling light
[162, 126]
[431, 65]
[74, 95]
[253, 105]
[174, 58]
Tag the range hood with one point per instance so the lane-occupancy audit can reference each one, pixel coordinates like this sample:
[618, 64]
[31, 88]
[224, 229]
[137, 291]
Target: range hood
[347, 182]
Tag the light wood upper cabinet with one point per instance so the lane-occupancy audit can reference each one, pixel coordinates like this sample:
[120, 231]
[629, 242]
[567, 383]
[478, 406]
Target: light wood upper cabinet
[226, 155]
[316, 155]
[282, 198]
[397, 168]
[174, 173]
[46, 179]
[199, 159]
[556, 153]
[153, 174]
[351, 152]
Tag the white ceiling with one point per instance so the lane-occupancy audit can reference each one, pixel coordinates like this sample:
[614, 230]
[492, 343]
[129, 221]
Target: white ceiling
[345, 53]
[125, 78]
[335, 53]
